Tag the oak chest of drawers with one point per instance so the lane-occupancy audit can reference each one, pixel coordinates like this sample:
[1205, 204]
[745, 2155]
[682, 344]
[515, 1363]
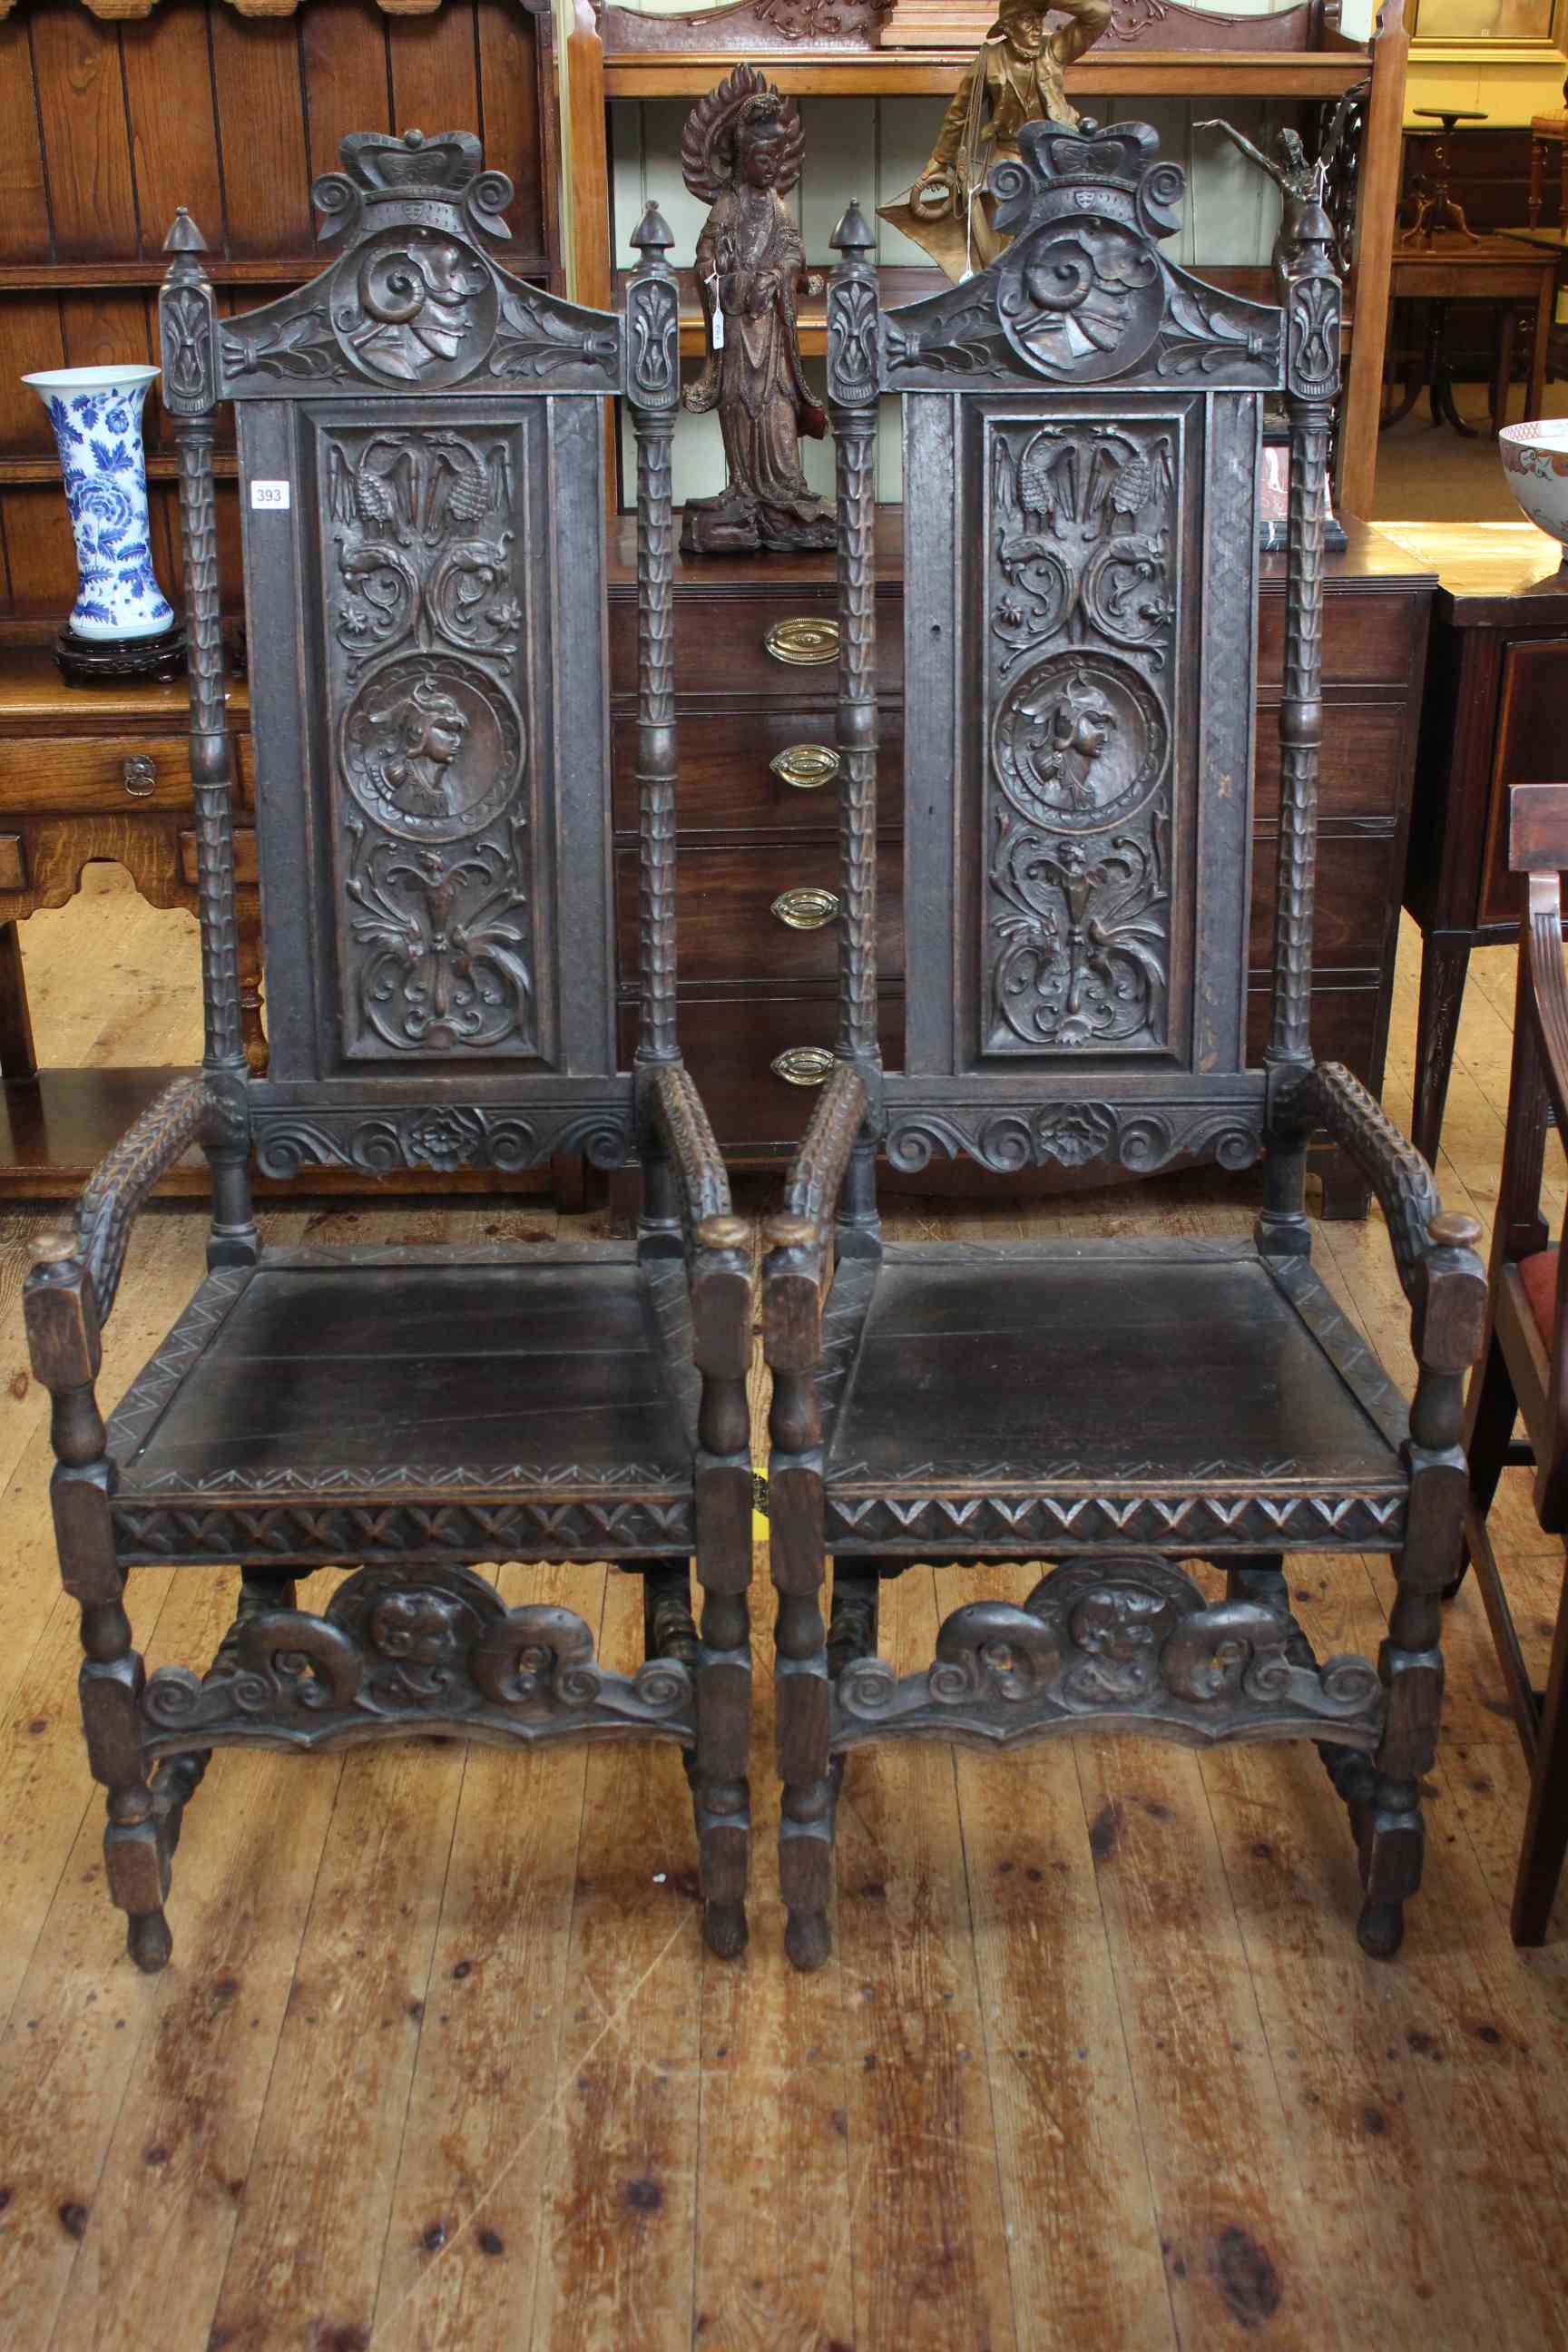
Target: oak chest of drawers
[756, 682]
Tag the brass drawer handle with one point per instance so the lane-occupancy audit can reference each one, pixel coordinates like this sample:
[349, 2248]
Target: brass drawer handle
[803, 641]
[805, 910]
[804, 1066]
[807, 766]
[138, 774]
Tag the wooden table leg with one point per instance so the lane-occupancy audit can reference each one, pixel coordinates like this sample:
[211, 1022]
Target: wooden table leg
[19, 1061]
[1545, 320]
[1502, 375]
[1444, 960]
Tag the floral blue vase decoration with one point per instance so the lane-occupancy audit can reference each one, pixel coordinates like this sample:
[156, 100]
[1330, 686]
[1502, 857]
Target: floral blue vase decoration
[122, 624]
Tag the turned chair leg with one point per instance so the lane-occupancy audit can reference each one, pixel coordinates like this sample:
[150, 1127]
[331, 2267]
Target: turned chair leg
[720, 1663]
[1390, 1829]
[136, 1842]
[805, 1825]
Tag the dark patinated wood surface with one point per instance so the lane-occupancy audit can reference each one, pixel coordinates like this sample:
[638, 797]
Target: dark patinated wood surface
[429, 720]
[1078, 691]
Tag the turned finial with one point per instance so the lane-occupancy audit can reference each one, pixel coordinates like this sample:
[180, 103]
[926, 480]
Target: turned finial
[853, 236]
[1451, 1229]
[653, 238]
[185, 236]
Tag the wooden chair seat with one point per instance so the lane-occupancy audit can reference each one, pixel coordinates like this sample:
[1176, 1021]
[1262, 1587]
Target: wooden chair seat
[326, 1406]
[972, 1386]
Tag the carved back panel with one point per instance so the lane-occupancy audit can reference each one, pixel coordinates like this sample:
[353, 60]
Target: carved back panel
[1081, 433]
[421, 443]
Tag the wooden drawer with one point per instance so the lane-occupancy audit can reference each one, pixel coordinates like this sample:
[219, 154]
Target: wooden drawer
[1367, 639]
[1363, 760]
[730, 1044]
[725, 781]
[720, 644]
[1357, 884]
[725, 929]
[78, 775]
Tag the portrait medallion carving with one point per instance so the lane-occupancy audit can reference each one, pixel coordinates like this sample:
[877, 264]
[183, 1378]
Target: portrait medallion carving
[432, 748]
[415, 305]
[1081, 302]
[1079, 743]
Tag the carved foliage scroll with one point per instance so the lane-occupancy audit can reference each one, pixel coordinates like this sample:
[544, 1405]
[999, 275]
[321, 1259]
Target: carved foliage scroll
[1081, 610]
[1126, 1639]
[402, 1650]
[429, 748]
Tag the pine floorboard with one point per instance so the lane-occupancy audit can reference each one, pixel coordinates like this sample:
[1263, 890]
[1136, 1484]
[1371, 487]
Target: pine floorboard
[441, 2061]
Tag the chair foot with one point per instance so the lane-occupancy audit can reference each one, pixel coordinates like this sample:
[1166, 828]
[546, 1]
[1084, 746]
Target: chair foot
[1380, 1930]
[808, 1940]
[148, 1941]
[725, 1930]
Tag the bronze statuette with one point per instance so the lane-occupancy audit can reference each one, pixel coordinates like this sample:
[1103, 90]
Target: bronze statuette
[1018, 77]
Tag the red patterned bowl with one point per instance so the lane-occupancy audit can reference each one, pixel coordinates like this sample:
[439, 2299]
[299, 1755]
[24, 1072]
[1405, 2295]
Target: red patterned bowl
[1535, 462]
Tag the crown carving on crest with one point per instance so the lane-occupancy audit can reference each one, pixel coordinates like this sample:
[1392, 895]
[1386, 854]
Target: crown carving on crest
[388, 182]
[1115, 171]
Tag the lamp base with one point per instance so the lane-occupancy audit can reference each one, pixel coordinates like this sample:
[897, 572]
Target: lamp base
[111, 661]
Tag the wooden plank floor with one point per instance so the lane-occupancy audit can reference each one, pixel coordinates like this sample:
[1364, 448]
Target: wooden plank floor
[441, 2061]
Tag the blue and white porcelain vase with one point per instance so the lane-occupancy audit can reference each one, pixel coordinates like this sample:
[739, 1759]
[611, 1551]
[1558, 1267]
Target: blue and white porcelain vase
[122, 624]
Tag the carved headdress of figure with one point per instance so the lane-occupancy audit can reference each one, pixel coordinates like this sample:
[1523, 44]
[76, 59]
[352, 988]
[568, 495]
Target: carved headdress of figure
[1017, 77]
[718, 123]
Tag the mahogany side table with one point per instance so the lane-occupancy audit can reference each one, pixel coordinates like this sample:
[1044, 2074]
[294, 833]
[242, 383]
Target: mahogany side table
[1493, 714]
[1518, 277]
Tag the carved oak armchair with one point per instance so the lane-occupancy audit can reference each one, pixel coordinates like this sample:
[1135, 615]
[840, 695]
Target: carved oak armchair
[421, 441]
[1080, 432]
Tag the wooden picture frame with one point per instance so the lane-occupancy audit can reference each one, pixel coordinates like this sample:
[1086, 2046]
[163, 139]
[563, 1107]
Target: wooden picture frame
[1505, 32]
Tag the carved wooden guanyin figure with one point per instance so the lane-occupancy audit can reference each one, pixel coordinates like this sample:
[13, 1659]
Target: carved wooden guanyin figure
[1018, 77]
[740, 151]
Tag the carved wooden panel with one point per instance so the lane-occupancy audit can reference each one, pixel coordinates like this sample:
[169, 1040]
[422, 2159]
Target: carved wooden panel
[1078, 707]
[424, 624]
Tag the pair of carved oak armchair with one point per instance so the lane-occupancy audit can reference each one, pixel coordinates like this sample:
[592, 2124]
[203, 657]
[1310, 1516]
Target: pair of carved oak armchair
[421, 444]
[1081, 425]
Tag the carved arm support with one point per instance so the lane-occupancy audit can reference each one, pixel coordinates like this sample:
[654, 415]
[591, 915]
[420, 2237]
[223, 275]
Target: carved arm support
[675, 1109]
[718, 1254]
[799, 1261]
[118, 1189]
[1434, 1250]
[76, 1272]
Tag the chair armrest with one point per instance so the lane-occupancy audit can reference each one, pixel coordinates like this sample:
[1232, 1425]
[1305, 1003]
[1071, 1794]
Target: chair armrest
[718, 1258]
[1433, 1249]
[118, 1189]
[816, 1173]
[798, 1261]
[681, 1123]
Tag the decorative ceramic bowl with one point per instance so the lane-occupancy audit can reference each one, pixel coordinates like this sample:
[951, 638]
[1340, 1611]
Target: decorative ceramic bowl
[1536, 464]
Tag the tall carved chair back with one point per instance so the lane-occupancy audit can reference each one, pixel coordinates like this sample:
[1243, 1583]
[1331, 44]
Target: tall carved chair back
[420, 458]
[419, 437]
[1524, 1372]
[1081, 432]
